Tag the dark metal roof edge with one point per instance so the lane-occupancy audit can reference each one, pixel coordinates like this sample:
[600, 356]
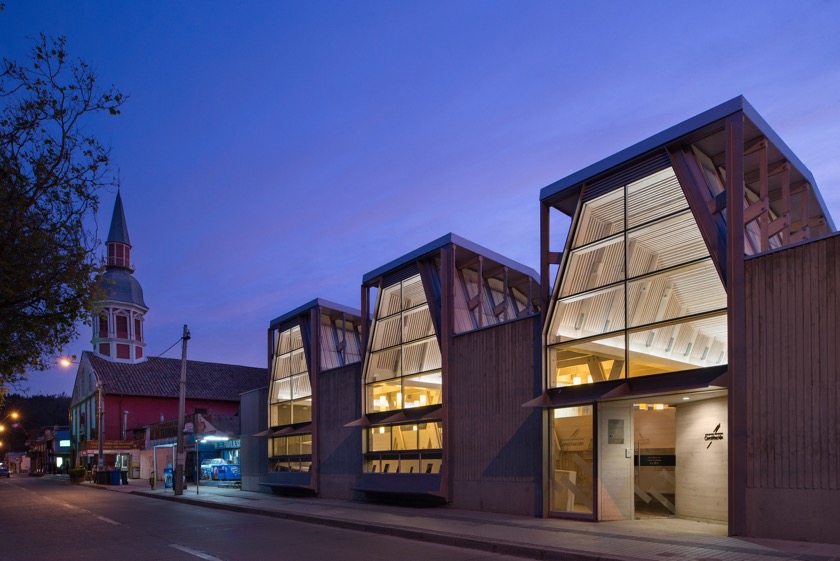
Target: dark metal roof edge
[442, 241]
[658, 140]
[312, 304]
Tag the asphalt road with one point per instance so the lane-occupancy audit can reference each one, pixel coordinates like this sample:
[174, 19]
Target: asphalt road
[48, 519]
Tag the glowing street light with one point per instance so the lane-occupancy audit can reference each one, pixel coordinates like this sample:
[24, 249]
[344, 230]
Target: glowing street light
[66, 362]
[14, 415]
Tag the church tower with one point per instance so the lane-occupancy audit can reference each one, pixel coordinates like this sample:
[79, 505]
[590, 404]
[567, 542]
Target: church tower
[118, 322]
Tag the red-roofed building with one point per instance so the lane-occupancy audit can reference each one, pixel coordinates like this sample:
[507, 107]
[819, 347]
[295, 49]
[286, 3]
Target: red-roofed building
[118, 390]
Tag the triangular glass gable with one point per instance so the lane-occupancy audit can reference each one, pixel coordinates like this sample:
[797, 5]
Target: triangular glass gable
[638, 293]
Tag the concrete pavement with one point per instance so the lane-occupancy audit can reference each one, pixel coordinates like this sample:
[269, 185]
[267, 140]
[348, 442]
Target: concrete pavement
[660, 539]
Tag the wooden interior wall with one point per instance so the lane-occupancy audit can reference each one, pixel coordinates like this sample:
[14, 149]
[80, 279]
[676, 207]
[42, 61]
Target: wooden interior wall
[792, 352]
[495, 442]
[702, 466]
[339, 447]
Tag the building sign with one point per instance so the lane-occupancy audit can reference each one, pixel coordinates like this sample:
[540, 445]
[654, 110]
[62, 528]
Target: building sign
[64, 443]
[223, 444]
[712, 436]
[615, 431]
[657, 460]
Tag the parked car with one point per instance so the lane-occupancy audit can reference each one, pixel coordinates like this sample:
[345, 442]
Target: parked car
[220, 470]
[4, 471]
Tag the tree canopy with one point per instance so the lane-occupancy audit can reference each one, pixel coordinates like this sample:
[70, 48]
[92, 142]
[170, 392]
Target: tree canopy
[51, 168]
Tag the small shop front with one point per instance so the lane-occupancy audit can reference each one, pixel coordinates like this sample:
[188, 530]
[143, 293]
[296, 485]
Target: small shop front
[218, 460]
[120, 455]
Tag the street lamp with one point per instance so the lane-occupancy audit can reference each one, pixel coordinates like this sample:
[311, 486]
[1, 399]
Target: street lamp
[14, 415]
[67, 361]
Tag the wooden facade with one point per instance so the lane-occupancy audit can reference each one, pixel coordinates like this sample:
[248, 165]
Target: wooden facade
[755, 430]
[482, 310]
[313, 355]
[793, 424]
[770, 237]
[494, 444]
[339, 446]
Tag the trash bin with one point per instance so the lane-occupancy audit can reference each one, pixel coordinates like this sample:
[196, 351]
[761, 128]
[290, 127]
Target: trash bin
[124, 476]
[102, 477]
[115, 477]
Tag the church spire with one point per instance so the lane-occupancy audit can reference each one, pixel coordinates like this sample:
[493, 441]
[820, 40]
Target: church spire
[118, 323]
[119, 244]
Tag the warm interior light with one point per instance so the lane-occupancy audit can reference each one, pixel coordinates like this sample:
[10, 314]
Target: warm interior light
[399, 399]
[381, 430]
[589, 379]
[576, 381]
[643, 407]
[686, 398]
[659, 406]
[414, 427]
[423, 399]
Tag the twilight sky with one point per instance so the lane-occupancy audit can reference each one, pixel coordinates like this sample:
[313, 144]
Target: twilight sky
[274, 152]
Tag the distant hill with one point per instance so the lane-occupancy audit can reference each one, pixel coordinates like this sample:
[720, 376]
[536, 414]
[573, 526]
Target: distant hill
[35, 412]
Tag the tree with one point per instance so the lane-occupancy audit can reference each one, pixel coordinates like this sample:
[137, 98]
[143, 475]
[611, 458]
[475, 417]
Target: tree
[51, 169]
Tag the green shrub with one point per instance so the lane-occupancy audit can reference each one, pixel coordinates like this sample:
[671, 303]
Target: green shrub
[77, 472]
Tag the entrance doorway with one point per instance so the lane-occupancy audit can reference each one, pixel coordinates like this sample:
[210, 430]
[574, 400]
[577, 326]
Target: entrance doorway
[663, 457]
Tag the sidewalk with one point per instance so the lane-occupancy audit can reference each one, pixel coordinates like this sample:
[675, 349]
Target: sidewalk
[665, 539]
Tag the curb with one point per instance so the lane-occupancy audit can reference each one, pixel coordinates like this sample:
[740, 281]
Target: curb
[455, 540]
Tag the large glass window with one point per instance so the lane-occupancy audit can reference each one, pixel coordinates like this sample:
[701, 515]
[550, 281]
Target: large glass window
[290, 453]
[633, 299]
[410, 449]
[571, 477]
[404, 366]
[291, 393]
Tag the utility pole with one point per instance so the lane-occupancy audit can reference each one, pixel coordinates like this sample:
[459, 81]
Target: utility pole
[100, 463]
[178, 484]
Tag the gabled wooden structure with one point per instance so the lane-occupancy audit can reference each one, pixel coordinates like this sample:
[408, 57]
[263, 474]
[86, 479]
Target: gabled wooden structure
[419, 392]
[651, 297]
[314, 354]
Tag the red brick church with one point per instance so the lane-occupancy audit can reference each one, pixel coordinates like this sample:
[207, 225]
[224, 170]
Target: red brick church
[119, 390]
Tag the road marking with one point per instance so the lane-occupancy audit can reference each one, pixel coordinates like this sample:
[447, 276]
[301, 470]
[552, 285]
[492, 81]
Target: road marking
[109, 521]
[195, 552]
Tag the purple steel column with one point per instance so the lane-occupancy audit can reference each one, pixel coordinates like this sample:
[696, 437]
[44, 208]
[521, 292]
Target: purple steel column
[314, 375]
[545, 219]
[447, 277]
[736, 323]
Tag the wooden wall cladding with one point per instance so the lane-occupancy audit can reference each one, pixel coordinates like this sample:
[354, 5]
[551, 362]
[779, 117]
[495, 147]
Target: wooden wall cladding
[792, 346]
[339, 447]
[495, 444]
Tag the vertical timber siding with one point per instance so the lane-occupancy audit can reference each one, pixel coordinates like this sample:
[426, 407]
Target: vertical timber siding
[495, 442]
[793, 395]
[339, 447]
[253, 452]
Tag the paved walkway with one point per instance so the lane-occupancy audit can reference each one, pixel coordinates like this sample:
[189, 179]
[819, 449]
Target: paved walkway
[661, 540]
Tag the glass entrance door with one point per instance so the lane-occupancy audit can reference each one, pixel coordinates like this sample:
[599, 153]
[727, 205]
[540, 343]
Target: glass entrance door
[654, 460]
